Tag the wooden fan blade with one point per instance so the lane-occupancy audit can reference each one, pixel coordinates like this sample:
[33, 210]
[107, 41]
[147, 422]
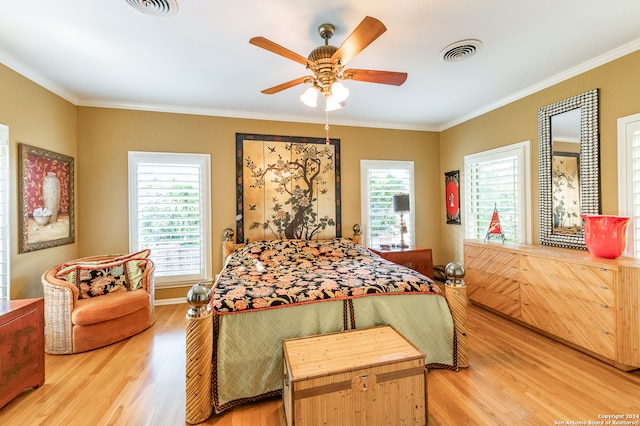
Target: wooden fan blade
[279, 50]
[364, 34]
[371, 76]
[283, 86]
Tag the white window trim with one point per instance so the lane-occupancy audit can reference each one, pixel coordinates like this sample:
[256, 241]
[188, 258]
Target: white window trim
[365, 165]
[522, 150]
[205, 206]
[4, 215]
[625, 178]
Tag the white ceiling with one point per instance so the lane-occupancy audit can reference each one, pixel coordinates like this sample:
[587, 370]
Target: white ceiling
[106, 53]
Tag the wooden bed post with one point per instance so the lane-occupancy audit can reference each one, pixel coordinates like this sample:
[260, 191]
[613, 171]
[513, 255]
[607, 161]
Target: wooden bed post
[455, 291]
[228, 245]
[457, 298]
[357, 234]
[199, 404]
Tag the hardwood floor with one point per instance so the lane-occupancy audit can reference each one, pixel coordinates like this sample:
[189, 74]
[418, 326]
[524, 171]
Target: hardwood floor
[516, 376]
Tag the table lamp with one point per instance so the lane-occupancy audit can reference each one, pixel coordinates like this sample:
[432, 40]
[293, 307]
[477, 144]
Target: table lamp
[401, 205]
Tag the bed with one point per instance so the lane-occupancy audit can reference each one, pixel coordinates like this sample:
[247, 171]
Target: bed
[269, 291]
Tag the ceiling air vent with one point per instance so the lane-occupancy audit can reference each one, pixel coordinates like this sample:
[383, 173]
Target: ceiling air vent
[460, 50]
[155, 7]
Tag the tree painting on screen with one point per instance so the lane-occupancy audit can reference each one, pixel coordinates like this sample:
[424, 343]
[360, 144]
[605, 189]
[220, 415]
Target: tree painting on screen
[565, 174]
[289, 188]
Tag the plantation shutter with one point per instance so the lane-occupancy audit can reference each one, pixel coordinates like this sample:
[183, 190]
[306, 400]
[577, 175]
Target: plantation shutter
[635, 154]
[171, 213]
[384, 223]
[493, 184]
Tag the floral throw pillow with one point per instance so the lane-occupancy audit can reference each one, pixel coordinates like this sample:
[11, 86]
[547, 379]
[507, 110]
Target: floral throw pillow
[99, 278]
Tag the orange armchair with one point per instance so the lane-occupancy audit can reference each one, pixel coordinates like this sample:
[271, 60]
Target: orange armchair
[80, 318]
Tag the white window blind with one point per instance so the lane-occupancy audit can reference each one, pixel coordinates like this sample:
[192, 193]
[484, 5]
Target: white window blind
[169, 213]
[635, 158]
[629, 179]
[498, 180]
[4, 213]
[381, 180]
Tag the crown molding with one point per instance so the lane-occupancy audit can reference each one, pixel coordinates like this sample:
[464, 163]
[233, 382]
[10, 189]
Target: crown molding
[17, 66]
[41, 80]
[99, 103]
[558, 78]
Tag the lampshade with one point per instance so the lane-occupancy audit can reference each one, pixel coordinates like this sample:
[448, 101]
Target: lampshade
[333, 104]
[310, 97]
[339, 92]
[401, 203]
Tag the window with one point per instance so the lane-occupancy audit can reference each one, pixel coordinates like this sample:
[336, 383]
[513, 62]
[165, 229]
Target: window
[380, 181]
[4, 213]
[169, 213]
[499, 179]
[629, 179]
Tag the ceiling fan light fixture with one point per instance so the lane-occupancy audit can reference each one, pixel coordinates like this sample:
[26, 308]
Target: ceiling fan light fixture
[333, 104]
[338, 92]
[326, 63]
[310, 97]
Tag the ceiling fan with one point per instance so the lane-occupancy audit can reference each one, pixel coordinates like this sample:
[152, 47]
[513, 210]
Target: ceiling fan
[327, 62]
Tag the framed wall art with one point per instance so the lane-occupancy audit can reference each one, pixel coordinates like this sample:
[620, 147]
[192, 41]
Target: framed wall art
[287, 188]
[45, 190]
[452, 196]
[565, 192]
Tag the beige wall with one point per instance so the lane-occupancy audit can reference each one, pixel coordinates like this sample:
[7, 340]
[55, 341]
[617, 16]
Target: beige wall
[106, 135]
[38, 118]
[619, 87]
[99, 140]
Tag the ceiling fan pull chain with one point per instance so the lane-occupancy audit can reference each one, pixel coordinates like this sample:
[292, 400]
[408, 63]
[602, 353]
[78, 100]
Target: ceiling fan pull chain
[326, 127]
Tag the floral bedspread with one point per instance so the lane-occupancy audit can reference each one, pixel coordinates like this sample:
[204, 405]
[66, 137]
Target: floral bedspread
[272, 274]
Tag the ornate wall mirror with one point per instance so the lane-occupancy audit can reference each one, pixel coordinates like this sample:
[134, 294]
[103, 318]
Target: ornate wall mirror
[569, 168]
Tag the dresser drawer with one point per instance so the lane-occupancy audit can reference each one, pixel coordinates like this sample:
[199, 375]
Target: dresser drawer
[585, 282]
[493, 261]
[494, 291]
[587, 324]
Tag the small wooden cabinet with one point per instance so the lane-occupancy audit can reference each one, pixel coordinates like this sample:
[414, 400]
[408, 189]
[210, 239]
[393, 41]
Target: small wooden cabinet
[590, 303]
[367, 377]
[21, 347]
[417, 258]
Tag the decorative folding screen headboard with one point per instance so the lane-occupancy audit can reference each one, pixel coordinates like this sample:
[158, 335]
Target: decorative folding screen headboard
[287, 187]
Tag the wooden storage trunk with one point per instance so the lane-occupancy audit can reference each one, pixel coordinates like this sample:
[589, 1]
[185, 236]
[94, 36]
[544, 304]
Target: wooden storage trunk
[370, 377]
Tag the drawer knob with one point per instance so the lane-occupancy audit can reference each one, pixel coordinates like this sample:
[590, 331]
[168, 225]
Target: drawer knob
[525, 303]
[604, 287]
[604, 331]
[602, 305]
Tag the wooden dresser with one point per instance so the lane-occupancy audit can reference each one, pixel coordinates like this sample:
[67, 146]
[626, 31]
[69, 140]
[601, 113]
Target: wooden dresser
[21, 347]
[417, 258]
[592, 304]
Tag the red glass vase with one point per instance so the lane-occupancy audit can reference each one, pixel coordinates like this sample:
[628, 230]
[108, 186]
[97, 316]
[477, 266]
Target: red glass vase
[605, 236]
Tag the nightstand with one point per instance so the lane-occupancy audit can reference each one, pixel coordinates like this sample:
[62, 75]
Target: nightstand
[417, 258]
